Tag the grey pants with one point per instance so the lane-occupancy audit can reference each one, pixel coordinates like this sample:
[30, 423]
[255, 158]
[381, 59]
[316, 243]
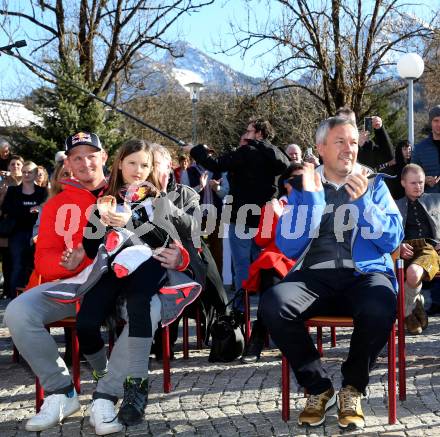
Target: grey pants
[26, 317]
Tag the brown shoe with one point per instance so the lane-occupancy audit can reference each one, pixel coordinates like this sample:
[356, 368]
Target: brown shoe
[421, 315]
[349, 408]
[316, 407]
[413, 325]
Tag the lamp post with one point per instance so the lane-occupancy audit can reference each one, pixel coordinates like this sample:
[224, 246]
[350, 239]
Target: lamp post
[194, 94]
[410, 67]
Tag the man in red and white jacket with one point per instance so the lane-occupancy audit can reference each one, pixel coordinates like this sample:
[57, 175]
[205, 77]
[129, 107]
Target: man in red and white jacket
[60, 255]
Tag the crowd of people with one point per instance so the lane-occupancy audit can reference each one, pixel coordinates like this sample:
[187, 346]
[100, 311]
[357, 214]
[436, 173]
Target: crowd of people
[145, 243]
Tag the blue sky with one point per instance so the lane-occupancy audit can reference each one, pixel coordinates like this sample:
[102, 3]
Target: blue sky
[204, 30]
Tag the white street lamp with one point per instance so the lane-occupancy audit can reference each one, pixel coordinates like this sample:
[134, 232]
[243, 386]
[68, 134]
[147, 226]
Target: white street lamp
[194, 94]
[410, 67]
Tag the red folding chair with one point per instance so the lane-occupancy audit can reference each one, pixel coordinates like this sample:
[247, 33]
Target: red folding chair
[68, 322]
[334, 322]
[166, 350]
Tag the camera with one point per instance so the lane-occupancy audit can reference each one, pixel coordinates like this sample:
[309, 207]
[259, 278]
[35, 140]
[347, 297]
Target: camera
[368, 124]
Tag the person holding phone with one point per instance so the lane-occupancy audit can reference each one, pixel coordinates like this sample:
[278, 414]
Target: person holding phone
[371, 153]
[253, 168]
[309, 156]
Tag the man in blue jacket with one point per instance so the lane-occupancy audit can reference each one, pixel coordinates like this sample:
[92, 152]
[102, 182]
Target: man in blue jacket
[341, 228]
[426, 153]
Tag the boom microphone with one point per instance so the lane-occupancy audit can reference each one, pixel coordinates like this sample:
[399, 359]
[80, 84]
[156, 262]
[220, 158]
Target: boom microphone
[15, 45]
[22, 43]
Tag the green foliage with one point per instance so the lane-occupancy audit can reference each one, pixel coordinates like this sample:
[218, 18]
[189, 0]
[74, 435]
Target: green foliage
[65, 110]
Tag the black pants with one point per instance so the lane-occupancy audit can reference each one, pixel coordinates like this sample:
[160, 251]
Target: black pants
[369, 299]
[100, 302]
[268, 278]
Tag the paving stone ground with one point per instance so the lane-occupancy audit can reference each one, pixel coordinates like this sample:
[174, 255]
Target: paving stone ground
[239, 400]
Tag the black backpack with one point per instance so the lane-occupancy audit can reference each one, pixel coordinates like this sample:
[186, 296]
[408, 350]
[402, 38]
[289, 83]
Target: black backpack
[227, 337]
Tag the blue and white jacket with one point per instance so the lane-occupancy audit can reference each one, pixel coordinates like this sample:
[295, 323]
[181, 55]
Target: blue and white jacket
[377, 230]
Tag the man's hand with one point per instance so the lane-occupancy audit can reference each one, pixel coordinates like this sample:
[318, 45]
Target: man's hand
[312, 159]
[311, 180]
[357, 184]
[376, 122]
[203, 179]
[431, 181]
[72, 258]
[277, 207]
[215, 185]
[169, 257]
[406, 251]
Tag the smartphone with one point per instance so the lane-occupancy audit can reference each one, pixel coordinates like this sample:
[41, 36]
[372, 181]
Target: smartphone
[368, 124]
[309, 151]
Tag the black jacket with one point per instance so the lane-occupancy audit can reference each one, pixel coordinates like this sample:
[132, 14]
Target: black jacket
[373, 154]
[252, 174]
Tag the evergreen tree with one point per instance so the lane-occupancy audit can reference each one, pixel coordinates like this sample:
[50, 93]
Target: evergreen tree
[65, 110]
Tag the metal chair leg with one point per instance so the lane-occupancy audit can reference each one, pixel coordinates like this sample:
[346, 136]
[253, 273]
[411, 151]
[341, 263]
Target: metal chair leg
[76, 362]
[185, 338]
[166, 359]
[285, 389]
[333, 336]
[319, 340]
[199, 328]
[247, 316]
[392, 409]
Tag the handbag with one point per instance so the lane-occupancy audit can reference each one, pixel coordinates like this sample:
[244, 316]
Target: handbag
[7, 226]
[227, 337]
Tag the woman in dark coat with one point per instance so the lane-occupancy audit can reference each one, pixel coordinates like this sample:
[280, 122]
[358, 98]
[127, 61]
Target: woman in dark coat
[402, 157]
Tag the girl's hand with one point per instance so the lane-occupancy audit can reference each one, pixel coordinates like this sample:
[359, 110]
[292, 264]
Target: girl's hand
[117, 219]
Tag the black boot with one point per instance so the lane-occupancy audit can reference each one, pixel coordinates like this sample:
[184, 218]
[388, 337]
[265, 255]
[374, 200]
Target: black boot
[252, 350]
[135, 400]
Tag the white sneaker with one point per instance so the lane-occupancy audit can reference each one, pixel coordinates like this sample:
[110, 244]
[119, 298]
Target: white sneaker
[54, 409]
[104, 418]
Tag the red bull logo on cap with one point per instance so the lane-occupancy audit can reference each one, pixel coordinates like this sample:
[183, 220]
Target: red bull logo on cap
[81, 137]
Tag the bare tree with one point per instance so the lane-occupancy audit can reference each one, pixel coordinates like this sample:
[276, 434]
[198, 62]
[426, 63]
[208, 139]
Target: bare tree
[430, 76]
[338, 51]
[223, 117]
[105, 35]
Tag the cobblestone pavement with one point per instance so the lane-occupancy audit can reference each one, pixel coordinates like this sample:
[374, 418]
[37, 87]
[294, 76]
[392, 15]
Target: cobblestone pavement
[240, 400]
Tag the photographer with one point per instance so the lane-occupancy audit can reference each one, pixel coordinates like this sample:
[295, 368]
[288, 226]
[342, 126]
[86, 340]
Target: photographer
[253, 168]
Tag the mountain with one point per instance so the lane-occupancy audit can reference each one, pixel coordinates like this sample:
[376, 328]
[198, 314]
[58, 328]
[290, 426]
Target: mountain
[214, 74]
[149, 76]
